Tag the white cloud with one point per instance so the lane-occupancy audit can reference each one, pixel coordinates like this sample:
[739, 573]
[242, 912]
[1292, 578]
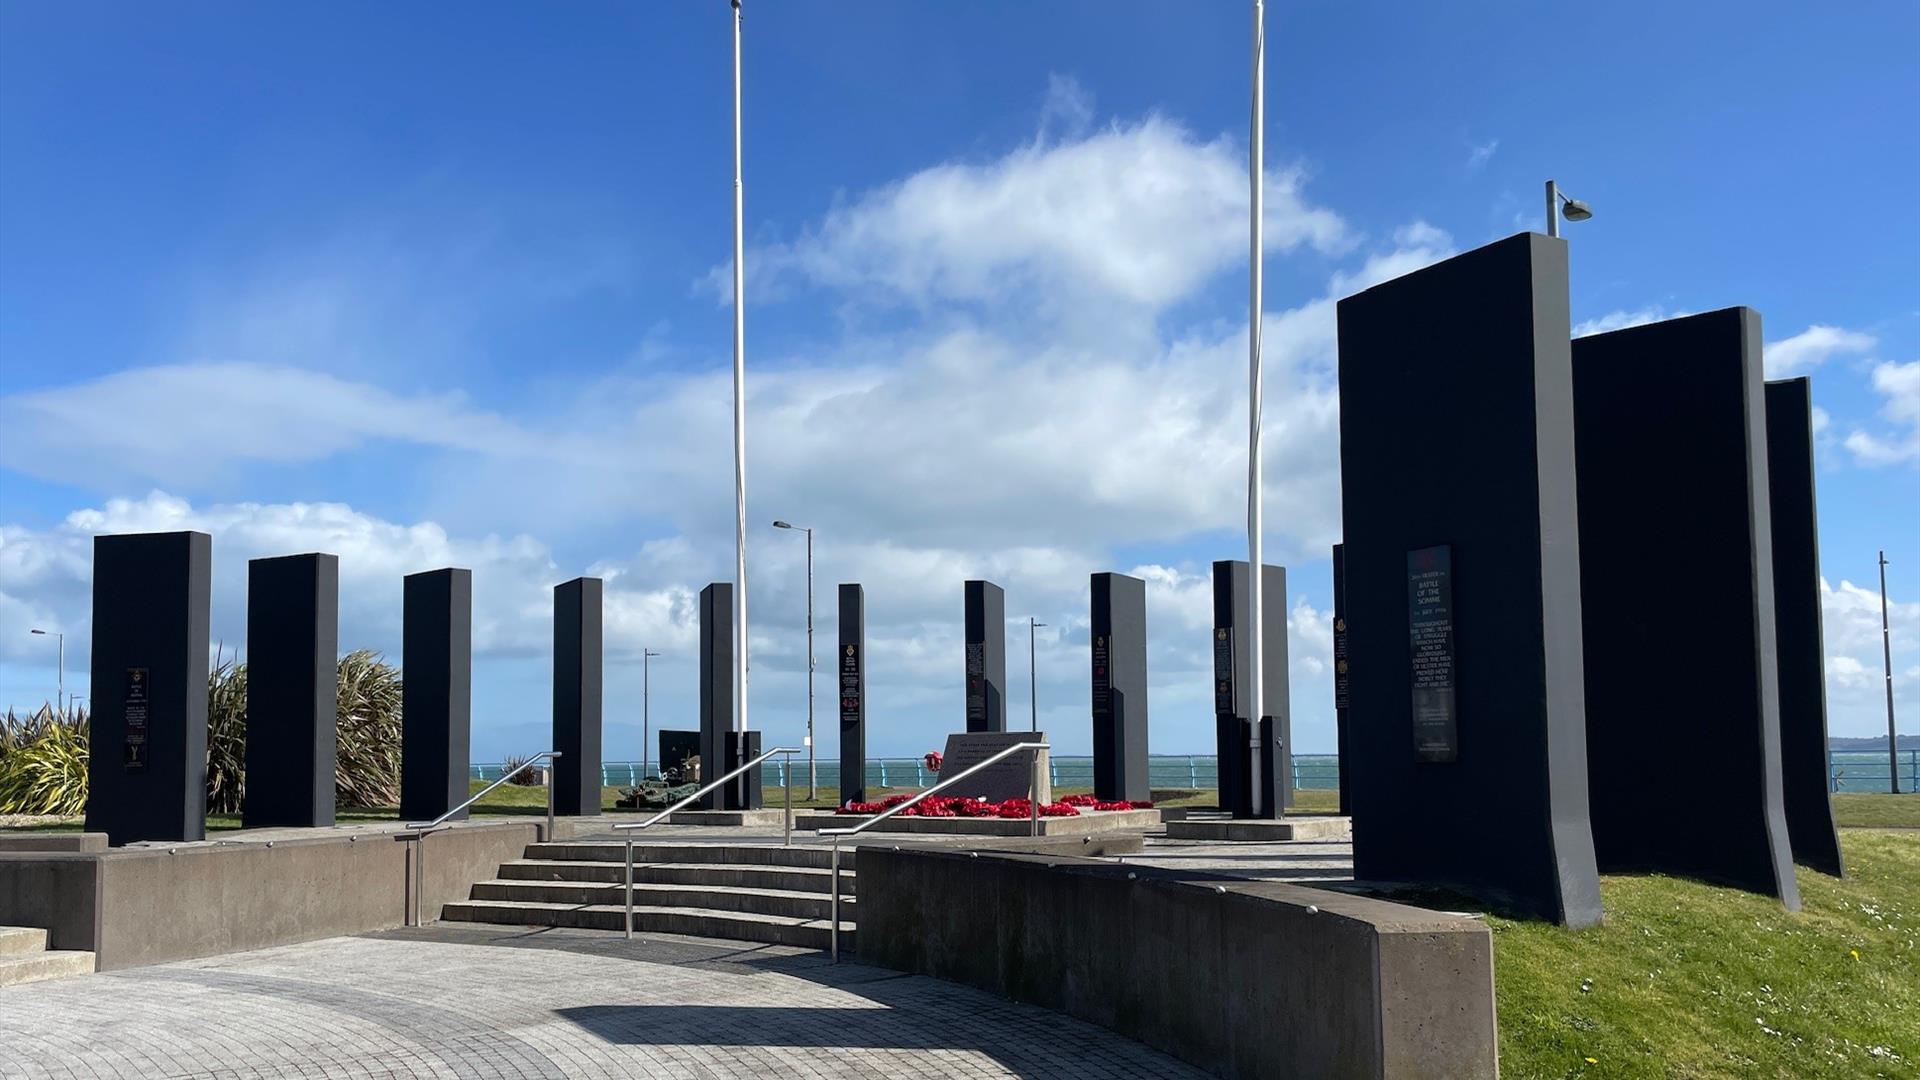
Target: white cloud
[1812, 347]
[1850, 624]
[1140, 212]
[1622, 319]
[1479, 155]
[1899, 386]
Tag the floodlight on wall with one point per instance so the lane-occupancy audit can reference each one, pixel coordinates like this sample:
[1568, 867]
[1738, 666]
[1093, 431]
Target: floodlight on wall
[1559, 205]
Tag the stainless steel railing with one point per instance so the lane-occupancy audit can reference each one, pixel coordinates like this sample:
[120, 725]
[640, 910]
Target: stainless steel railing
[1033, 820]
[786, 793]
[421, 829]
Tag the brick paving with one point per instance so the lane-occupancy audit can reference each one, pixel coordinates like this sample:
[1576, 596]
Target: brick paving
[504, 1003]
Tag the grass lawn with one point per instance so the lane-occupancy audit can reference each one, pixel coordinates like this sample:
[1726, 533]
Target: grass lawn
[1689, 980]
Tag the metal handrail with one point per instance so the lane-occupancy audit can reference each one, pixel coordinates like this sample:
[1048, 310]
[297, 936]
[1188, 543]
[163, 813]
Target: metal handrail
[786, 795]
[549, 755]
[1033, 802]
[422, 829]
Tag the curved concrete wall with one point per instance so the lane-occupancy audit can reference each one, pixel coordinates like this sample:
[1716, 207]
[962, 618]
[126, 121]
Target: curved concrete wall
[1242, 978]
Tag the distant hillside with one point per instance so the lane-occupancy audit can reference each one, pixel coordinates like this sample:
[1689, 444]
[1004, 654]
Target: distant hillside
[1878, 742]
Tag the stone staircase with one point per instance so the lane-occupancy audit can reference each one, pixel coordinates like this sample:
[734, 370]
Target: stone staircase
[25, 958]
[764, 893]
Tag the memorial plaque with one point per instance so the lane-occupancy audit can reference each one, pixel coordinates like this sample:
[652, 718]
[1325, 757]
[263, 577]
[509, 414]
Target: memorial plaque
[1223, 670]
[1340, 691]
[1010, 778]
[1342, 683]
[1102, 678]
[1430, 626]
[850, 685]
[976, 686]
[135, 713]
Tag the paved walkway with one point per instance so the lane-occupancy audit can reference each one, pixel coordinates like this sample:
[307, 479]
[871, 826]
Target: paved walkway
[507, 1003]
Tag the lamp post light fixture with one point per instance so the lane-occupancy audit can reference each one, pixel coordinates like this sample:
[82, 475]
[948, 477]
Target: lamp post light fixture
[813, 776]
[1559, 205]
[646, 706]
[1033, 675]
[60, 695]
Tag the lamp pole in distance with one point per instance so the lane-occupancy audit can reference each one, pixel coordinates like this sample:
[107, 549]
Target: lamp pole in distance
[60, 671]
[646, 706]
[1033, 674]
[1886, 657]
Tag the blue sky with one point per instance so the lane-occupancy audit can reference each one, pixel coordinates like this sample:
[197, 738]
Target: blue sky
[445, 284]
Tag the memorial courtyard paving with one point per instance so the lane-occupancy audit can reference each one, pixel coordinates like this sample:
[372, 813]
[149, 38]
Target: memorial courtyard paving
[492, 1003]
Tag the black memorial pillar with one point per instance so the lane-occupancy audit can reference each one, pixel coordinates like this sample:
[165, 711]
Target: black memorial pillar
[1119, 644]
[716, 688]
[293, 656]
[1340, 673]
[853, 694]
[436, 692]
[986, 657]
[1232, 682]
[576, 696]
[1466, 742]
[147, 778]
[1671, 426]
[1797, 627]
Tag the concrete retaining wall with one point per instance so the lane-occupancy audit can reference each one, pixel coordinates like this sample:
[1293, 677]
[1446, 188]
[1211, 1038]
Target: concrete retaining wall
[1241, 978]
[134, 906]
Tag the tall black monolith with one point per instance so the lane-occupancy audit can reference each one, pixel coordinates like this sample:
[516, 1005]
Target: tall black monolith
[147, 774]
[436, 692]
[1671, 424]
[986, 641]
[1797, 627]
[1233, 712]
[1465, 725]
[853, 694]
[723, 749]
[576, 696]
[293, 653]
[1118, 639]
[1340, 674]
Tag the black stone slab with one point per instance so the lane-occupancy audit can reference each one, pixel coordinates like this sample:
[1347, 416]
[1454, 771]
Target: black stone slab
[986, 641]
[1232, 674]
[1671, 423]
[853, 694]
[716, 688]
[577, 696]
[293, 656]
[676, 747]
[1118, 644]
[1456, 429]
[1797, 627]
[147, 778]
[436, 693]
[1340, 689]
[743, 792]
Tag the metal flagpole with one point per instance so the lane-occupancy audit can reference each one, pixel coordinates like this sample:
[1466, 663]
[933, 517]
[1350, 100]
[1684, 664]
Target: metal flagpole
[1256, 658]
[739, 410]
[1886, 653]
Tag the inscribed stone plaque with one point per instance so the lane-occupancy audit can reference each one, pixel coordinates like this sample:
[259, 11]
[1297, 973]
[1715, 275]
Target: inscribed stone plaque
[1010, 778]
[976, 684]
[135, 712]
[1102, 678]
[1430, 625]
[1223, 670]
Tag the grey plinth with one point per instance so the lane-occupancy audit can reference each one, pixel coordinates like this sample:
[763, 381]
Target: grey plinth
[1466, 728]
[436, 693]
[293, 650]
[1233, 707]
[1797, 627]
[1671, 422]
[147, 776]
[851, 662]
[1118, 671]
[577, 696]
[986, 641]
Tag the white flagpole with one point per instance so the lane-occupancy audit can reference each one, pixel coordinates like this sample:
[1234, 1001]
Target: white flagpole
[739, 410]
[1256, 613]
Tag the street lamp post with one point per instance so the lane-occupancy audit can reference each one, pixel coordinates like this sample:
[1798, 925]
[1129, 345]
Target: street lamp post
[1574, 209]
[1257, 202]
[60, 695]
[1886, 654]
[646, 706]
[813, 776]
[1033, 674]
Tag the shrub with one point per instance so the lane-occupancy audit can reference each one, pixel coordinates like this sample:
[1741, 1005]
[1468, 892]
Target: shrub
[226, 735]
[525, 777]
[367, 732]
[43, 763]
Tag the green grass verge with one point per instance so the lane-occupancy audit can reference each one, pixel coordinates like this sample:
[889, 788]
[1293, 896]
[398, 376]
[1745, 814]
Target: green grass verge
[1689, 980]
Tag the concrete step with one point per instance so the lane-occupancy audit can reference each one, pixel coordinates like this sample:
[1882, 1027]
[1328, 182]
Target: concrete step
[20, 968]
[730, 854]
[693, 922]
[794, 878]
[15, 940]
[784, 902]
